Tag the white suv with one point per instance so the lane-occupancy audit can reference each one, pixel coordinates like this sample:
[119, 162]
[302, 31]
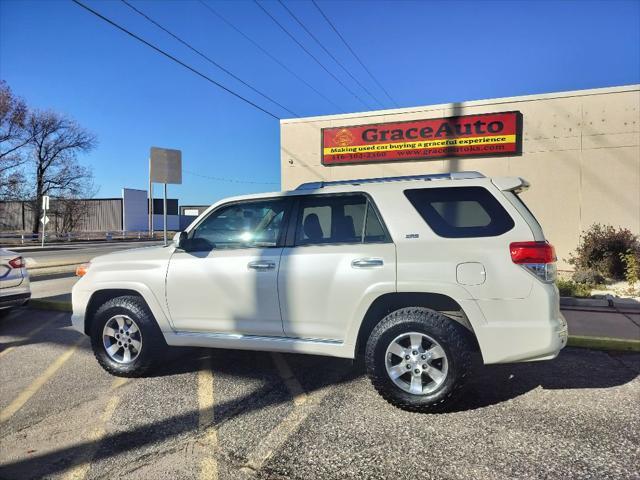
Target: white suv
[415, 273]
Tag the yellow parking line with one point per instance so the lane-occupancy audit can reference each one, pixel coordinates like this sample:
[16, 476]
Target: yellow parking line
[28, 392]
[304, 405]
[81, 469]
[209, 441]
[30, 334]
[291, 382]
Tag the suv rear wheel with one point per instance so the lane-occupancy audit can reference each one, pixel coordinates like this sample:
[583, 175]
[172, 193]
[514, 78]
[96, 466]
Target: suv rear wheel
[418, 359]
[125, 337]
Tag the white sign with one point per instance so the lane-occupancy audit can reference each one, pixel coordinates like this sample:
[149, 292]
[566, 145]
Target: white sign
[44, 220]
[165, 165]
[45, 202]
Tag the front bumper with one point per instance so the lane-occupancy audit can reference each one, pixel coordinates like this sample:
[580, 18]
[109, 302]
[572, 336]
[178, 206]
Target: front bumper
[79, 300]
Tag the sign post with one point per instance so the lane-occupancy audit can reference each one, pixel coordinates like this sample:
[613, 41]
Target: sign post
[44, 220]
[165, 167]
[150, 202]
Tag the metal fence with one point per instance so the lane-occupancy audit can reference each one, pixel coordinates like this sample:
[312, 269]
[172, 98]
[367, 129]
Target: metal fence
[21, 238]
[104, 214]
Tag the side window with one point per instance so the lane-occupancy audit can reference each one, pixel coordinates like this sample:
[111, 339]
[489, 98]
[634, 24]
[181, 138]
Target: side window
[242, 225]
[338, 219]
[459, 212]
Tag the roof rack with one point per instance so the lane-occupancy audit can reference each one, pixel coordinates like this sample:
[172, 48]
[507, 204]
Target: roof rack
[434, 176]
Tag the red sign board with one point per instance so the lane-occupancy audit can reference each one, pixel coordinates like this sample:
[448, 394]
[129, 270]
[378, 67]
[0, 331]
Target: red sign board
[490, 134]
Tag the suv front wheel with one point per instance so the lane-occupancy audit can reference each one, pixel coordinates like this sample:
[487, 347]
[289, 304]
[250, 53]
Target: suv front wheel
[125, 337]
[418, 359]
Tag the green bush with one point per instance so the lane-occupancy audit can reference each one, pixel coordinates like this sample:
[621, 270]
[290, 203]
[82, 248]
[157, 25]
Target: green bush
[601, 248]
[569, 288]
[589, 277]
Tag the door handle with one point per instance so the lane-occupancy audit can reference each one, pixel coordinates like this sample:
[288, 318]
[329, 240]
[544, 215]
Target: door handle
[261, 265]
[367, 262]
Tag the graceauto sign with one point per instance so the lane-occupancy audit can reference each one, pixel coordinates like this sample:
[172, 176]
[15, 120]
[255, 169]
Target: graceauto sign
[490, 134]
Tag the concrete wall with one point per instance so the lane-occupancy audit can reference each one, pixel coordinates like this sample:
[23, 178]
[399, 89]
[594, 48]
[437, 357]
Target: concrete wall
[581, 153]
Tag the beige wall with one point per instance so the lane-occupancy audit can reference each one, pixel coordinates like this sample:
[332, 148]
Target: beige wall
[581, 153]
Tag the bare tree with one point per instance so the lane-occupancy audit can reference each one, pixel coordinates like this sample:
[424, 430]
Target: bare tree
[55, 142]
[13, 140]
[70, 213]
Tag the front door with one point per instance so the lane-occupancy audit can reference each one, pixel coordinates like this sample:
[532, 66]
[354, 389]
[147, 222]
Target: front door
[225, 279]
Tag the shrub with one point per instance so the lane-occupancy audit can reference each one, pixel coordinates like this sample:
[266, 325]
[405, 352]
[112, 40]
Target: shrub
[600, 250]
[569, 288]
[589, 277]
[631, 270]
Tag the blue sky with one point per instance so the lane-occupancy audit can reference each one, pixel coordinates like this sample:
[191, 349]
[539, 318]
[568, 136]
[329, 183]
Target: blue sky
[56, 55]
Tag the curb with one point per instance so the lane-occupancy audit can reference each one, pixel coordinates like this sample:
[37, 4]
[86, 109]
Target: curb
[49, 270]
[42, 304]
[604, 343]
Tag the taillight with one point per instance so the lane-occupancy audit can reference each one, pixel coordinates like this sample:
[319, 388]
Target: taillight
[17, 262]
[539, 258]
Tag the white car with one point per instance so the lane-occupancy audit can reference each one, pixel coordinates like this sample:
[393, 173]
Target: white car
[15, 288]
[414, 273]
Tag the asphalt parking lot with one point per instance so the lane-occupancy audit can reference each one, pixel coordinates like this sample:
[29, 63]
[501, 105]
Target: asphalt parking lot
[234, 415]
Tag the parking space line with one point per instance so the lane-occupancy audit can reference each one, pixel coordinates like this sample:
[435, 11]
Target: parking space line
[31, 333]
[304, 405]
[28, 392]
[209, 440]
[81, 468]
[291, 382]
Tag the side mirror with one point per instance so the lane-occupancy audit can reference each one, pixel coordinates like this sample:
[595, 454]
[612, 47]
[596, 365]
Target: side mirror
[179, 239]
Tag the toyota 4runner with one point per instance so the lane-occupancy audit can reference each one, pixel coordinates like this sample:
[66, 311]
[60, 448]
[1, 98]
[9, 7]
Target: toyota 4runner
[413, 273]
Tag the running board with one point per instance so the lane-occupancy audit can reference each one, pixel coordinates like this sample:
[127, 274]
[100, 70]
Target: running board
[332, 348]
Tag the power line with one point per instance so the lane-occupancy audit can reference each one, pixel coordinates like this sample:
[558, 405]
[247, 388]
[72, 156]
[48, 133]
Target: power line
[267, 53]
[310, 54]
[354, 53]
[230, 180]
[171, 57]
[139, 12]
[328, 52]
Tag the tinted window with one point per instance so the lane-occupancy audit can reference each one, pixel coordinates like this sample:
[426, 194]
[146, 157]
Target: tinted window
[338, 219]
[458, 212]
[243, 225]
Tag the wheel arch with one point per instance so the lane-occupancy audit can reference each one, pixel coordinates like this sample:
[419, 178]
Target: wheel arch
[389, 302]
[99, 297]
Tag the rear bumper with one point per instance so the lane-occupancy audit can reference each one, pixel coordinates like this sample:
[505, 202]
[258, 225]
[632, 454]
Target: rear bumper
[522, 330]
[14, 300]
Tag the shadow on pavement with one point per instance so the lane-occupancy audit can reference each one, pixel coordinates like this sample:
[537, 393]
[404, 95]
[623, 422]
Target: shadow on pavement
[489, 385]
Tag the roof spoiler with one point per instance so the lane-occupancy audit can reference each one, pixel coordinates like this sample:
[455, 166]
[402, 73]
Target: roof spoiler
[511, 184]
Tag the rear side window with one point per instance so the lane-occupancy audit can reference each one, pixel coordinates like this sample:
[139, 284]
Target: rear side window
[461, 212]
[338, 219]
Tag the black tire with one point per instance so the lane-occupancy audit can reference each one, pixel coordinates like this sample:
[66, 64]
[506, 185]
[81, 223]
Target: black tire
[455, 340]
[153, 343]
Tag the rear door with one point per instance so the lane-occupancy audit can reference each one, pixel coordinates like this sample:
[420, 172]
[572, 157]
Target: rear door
[338, 257]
